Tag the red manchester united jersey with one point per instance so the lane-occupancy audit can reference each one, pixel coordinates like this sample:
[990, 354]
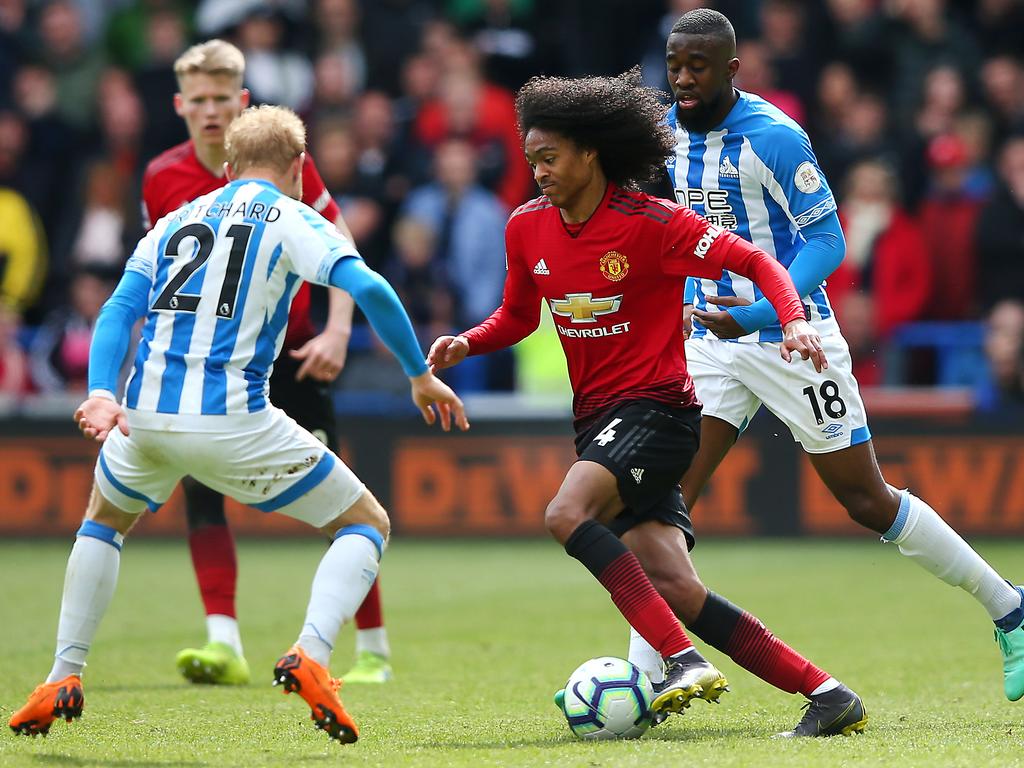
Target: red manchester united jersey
[177, 177]
[615, 291]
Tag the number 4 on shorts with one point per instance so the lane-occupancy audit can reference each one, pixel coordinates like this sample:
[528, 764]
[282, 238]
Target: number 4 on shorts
[607, 434]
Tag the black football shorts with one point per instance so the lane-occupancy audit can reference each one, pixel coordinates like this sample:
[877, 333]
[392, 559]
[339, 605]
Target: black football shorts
[308, 401]
[648, 446]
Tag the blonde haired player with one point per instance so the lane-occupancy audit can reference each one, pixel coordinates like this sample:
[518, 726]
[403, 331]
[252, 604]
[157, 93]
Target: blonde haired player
[210, 97]
[213, 281]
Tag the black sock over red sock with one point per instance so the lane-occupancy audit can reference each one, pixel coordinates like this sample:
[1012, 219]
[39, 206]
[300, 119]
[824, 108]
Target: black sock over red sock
[369, 615]
[632, 592]
[213, 557]
[749, 643]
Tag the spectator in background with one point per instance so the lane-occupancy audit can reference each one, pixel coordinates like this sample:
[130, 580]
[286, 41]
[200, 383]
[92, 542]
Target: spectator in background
[335, 86]
[23, 250]
[998, 25]
[14, 42]
[1002, 392]
[863, 134]
[468, 223]
[76, 66]
[60, 350]
[137, 33]
[482, 114]
[383, 160]
[273, 73]
[924, 38]
[396, 28]
[505, 33]
[885, 279]
[999, 236]
[860, 40]
[791, 45]
[757, 75]
[14, 370]
[948, 217]
[165, 32]
[1002, 79]
[337, 28]
[836, 93]
[337, 157]
[419, 279]
[103, 231]
[53, 147]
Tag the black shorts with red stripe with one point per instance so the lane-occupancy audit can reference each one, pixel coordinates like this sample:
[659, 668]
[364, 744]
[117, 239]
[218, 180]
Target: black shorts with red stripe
[648, 446]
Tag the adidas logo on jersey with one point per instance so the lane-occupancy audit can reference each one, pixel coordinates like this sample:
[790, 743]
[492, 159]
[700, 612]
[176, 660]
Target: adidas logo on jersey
[728, 169]
[638, 474]
[540, 268]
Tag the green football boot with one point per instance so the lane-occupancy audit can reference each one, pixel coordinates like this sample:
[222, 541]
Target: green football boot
[559, 699]
[213, 664]
[1011, 645]
[370, 667]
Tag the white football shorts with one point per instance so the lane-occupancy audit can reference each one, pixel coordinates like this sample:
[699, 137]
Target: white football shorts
[263, 459]
[823, 411]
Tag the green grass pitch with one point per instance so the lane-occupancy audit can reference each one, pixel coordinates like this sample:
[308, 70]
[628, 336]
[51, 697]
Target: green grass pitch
[483, 633]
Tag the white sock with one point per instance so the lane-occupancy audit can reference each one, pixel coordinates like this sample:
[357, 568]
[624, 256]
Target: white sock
[925, 537]
[89, 583]
[224, 629]
[373, 640]
[644, 656]
[345, 575]
[829, 685]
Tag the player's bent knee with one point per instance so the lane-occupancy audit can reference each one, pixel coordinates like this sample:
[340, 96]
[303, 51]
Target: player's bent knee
[365, 511]
[865, 509]
[561, 518]
[101, 510]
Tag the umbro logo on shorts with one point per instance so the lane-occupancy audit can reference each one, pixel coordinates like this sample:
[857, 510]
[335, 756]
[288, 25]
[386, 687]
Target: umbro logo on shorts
[638, 474]
[540, 268]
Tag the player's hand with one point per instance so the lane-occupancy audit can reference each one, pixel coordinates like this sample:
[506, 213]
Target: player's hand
[799, 336]
[428, 391]
[687, 320]
[722, 324]
[322, 357]
[98, 415]
[447, 351]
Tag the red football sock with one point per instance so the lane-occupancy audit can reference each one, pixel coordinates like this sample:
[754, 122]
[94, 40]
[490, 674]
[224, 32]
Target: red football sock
[750, 644]
[216, 566]
[632, 592]
[369, 615]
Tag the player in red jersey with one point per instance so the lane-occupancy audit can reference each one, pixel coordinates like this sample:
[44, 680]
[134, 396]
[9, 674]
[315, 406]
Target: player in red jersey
[610, 263]
[211, 96]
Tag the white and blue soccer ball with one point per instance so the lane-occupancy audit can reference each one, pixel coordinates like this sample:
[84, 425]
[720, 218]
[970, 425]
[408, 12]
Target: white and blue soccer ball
[608, 698]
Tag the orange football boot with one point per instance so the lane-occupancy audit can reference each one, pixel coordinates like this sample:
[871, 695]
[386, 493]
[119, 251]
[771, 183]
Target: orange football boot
[300, 674]
[48, 702]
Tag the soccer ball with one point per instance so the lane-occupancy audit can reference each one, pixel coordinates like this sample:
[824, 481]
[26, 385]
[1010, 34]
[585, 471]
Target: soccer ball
[608, 698]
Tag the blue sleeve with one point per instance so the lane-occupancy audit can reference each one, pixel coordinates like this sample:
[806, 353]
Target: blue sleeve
[383, 309]
[690, 291]
[819, 258]
[110, 337]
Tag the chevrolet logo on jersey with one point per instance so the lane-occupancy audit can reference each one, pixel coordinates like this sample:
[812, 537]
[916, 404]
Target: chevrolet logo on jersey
[584, 308]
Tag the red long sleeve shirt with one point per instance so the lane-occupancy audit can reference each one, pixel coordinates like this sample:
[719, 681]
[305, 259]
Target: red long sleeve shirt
[615, 292]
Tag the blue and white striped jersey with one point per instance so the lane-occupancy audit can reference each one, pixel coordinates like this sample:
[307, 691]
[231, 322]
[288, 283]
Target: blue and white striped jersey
[223, 271]
[756, 175]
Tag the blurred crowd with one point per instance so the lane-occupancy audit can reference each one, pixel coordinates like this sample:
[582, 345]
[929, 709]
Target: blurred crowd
[915, 109]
